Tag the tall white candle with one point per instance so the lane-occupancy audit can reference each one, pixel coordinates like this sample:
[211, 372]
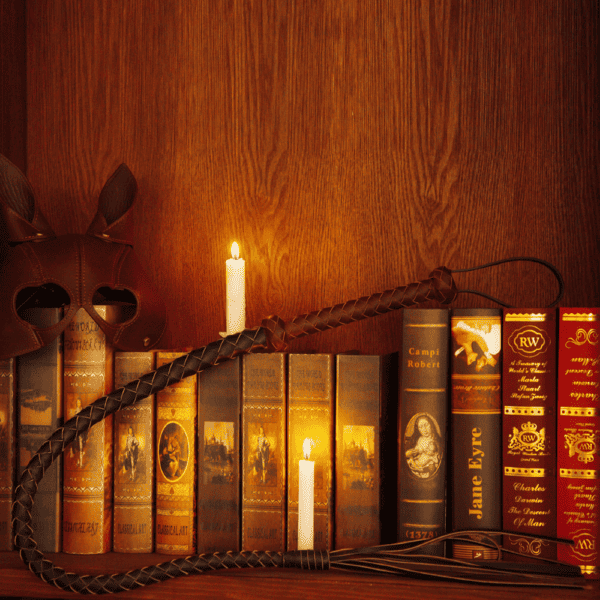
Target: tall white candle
[306, 499]
[235, 307]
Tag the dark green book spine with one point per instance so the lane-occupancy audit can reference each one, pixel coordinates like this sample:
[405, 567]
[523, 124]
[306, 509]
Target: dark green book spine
[218, 504]
[476, 462]
[39, 413]
[365, 450]
[422, 458]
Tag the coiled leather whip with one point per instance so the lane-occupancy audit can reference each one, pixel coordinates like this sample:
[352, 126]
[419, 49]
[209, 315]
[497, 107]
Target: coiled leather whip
[403, 558]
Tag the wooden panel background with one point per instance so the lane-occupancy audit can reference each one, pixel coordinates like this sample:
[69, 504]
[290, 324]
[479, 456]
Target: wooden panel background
[349, 147]
[13, 103]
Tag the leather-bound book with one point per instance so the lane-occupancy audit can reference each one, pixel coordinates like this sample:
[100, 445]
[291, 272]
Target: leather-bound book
[366, 450]
[219, 492]
[134, 448]
[264, 469]
[476, 428]
[578, 438]
[7, 450]
[310, 429]
[423, 424]
[88, 460]
[39, 413]
[176, 414]
[529, 430]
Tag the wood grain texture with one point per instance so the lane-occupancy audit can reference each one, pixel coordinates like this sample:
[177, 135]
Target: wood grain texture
[12, 81]
[349, 147]
[270, 584]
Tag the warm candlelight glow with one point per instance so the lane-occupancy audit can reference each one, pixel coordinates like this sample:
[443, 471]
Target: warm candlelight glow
[306, 498]
[235, 307]
[307, 447]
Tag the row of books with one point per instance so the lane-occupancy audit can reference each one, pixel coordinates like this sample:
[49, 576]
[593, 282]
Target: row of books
[483, 419]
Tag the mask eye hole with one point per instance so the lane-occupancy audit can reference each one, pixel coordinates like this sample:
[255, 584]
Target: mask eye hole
[123, 301]
[49, 295]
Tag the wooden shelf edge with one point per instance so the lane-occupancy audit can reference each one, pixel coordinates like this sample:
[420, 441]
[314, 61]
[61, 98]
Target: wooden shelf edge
[266, 584]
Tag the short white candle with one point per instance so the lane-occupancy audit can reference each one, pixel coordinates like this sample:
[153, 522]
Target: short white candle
[235, 307]
[306, 499]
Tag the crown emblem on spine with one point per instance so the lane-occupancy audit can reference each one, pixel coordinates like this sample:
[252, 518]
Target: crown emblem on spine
[584, 444]
[528, 439]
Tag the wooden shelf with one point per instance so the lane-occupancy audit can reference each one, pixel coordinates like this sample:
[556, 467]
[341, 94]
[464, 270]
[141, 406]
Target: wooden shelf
[266, 584]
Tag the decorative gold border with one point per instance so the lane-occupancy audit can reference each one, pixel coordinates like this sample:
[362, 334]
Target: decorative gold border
[528, 317]
[520, 472]
[576, 411]
[580, 317]
[579, 473]
[522, 411]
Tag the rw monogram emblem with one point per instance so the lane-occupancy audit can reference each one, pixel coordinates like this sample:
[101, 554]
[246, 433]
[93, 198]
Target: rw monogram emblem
[529, 439]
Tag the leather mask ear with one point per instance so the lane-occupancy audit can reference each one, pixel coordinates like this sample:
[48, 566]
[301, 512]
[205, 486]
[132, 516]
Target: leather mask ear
[112, 221]
[23, 221]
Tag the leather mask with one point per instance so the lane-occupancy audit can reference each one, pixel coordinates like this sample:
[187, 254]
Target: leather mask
[38, 268]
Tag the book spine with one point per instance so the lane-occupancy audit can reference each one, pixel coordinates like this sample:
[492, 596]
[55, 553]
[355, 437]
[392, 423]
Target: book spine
[176, 416]
[219, 492]
[7, 450]
[365, 450]
[39, 413]
[578, 438]
[134, 460]
[529, 430]
[88, 460]
[476, 480]
[423, 424]
[264, 451]
[310, 417]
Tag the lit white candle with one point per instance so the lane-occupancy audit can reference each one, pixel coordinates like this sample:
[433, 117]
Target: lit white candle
[306, 499]
[235, 307]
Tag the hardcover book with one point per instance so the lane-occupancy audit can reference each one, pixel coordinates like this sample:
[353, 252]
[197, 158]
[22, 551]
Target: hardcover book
[219, 491]
[310, 428]
[134, 445]
[88, 460]
[529, 430]
[264, 467]
[7, 450]
[476, 429]
[423, 424]
[366, 450]
[39, 413]
[176, 414]
[578, 438]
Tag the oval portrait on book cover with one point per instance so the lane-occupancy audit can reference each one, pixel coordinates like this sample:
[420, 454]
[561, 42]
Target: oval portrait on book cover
[423, 449]
[173, 451]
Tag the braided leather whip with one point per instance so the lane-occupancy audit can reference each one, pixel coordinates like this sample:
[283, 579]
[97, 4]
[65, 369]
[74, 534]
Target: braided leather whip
[273, 335]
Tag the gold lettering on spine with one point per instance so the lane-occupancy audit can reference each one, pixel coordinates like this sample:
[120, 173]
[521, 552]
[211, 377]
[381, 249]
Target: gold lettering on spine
[475, 461]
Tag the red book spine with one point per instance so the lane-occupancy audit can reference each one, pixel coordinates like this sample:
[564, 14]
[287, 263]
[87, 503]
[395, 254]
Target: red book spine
[529, 430]
[578, 438]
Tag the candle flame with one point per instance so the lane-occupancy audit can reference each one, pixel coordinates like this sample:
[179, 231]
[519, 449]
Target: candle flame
[307, 446]
[235, 250]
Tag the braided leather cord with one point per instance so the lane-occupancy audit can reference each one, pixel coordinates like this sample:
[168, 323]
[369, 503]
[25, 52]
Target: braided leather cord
[440, 286]
[273, 334]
